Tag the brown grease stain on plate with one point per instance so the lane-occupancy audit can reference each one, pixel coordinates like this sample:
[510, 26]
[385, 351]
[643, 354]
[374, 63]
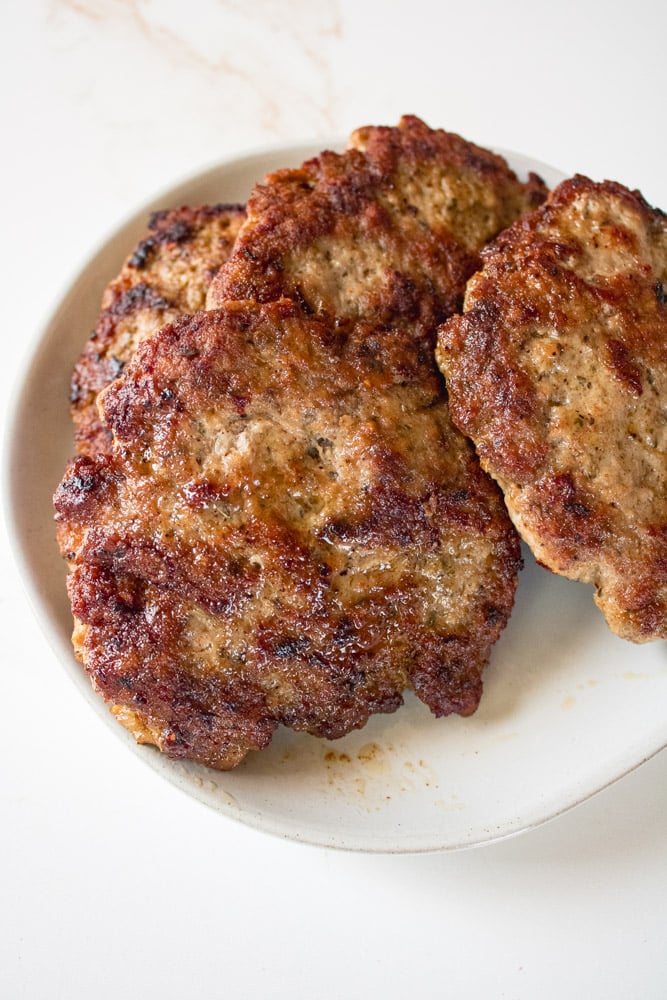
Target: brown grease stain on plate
[374, 771]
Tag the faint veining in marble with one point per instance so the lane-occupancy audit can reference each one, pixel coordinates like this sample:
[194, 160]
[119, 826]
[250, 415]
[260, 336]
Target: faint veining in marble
[271, 61]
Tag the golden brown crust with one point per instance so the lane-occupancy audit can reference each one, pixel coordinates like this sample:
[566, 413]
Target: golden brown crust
[558, 372]
[289, 531]
[388, 231]
[168, 273]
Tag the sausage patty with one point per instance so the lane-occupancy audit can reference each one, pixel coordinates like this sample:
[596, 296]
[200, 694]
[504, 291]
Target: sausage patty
[557, 370]
[388, 231]
[167, 273]
[288, 531]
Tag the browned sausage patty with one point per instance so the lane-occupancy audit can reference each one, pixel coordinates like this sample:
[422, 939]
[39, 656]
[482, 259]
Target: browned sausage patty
[289, 531]
[558, 372]
[387, 231]
[167, 274]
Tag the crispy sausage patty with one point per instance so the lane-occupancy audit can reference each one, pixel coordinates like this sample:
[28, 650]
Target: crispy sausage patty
[289, 530]
[387, 231]
[558, 372]
[168, 273]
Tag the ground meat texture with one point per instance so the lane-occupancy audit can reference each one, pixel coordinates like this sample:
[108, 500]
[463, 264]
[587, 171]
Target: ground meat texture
[289, 531]
[168, 273]
[557, 370]
[387, 231]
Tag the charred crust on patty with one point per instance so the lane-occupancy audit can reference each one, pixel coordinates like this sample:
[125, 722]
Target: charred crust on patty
[300, 560]
[557, 370]
[168, 273]
[387, 231]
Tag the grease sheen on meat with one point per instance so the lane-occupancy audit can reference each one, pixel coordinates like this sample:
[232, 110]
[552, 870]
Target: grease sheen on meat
[558, 372]
[387, 231]
[167, 273]
[288, 531]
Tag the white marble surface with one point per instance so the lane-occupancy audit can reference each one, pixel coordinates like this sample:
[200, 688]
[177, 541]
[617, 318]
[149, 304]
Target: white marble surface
[112, 884]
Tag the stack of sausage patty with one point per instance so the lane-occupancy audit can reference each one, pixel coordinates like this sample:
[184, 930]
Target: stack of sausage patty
[276, 514]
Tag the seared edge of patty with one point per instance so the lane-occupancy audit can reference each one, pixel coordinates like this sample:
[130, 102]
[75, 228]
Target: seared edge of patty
[166, 274]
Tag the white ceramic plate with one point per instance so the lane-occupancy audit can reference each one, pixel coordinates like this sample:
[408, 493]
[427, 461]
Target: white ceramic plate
[567, 709]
